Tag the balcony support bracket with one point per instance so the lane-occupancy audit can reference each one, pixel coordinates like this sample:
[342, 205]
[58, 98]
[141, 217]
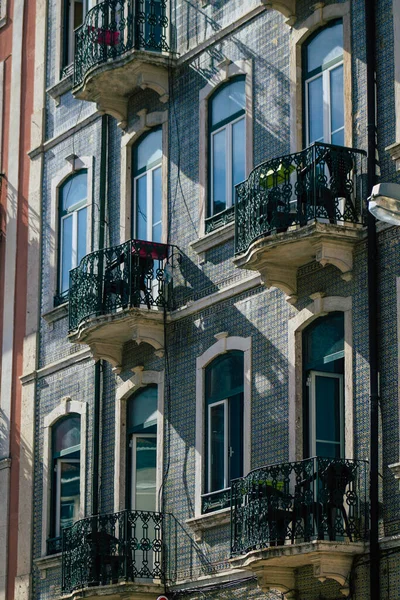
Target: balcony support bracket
[284, 278]
[281, 579]
[339, 254]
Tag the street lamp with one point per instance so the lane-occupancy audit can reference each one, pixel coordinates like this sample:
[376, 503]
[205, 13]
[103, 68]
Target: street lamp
[384, 202]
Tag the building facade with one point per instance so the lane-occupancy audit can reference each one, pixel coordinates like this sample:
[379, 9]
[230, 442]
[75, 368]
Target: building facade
[199, 369]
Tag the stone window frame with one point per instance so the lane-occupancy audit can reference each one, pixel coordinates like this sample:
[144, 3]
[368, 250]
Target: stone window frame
[74, 165]
[226, 70]
[147, 121]
[66, 407]
[223, 344]
[125, 390]
[321, 306]
[321, 16]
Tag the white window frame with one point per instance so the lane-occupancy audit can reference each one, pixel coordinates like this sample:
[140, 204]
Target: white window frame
[226, 443]
[59, 462]
[149, 200]
[75, 209]
[228, 162]
[132, 441]
[66, 407]
[326, 104]
[312, 406]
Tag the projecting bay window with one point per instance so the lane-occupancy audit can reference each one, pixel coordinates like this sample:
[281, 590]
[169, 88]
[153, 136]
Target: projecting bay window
[323, 86]
[227, 145]
[147, 187]
[224, 428]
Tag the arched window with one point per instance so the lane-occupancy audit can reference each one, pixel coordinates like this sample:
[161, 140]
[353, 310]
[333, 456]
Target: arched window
[142, 449]
[65, 491]
[323, 379]
[227, 143]
[147, 193]
[323, 86]
[224, 380]
[73, 210]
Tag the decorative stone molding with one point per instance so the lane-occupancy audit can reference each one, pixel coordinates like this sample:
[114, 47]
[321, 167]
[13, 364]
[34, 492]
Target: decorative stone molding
[47, 562]
[60, 88]
[213, 239]
[203, 523]
[286, 7]
[118, 591]
[394, 151]
[276, 566]
[57, 313]
[395, 468]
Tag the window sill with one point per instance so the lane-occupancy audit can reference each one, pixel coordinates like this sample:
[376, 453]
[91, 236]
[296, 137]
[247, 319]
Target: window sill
[61, 87]
[213, 239]
[55, 314]
[209, 521]
[47, 562]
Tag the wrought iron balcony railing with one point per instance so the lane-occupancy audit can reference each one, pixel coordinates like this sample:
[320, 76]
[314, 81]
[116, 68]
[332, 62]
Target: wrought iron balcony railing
[290, 503]
[133, 274]
[54, 545]
[322, 182]
[106, 549]
[115, 27]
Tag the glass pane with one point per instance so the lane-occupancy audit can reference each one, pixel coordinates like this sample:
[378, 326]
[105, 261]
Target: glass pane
[223, 376]
[228, 101]
[323, 340]
[73, 191]
[315, 111]
[217, 447]
[78, 13]
[149, 150]
[157, 205]
[66, 433]
[82, 229]
[145, 476]
[142, 409]
[141, 204]
[327, 408]
[69, 493]
[66, 252]
[337, 98]
[328, 450]
[338, 138]
[219, 171]
[326, 46]
[238, 154]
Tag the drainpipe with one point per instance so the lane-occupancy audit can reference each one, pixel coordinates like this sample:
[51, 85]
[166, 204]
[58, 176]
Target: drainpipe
[372, 306]
[98, 369]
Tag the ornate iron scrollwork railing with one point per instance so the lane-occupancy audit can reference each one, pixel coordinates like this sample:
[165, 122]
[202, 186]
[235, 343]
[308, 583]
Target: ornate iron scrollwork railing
[316, 498]
[220, 219]
[323, 182]
[54, 545]
[134, 274]
[114, 27]
[105, 549]
[215, 500]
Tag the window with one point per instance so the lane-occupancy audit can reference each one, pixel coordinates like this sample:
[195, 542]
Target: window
[73, 217]
[147, 192]
[142, 449]
[323, 86]
[224, 381]
[65, 489]
[74, 12]
[323, 378]
[227, 144]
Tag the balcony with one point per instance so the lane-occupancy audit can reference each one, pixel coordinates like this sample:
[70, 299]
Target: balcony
[120, 552]
[312, 512]
[122, 46]
[298, 208]
[119, 294]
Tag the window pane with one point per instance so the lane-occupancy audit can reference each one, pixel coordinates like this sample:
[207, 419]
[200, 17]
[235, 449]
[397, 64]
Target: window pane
[323, 340]
[219, 171]
[69, 493]
[157, 205]
[66, 433]
[145, 476]
[326, 46]
[328, 450]
[238, 154]
[337, 98]
[315, 111]
[217, 447]
[82, 230]
[223, 376]
[78, 14]
[149, 150]
[141, 208]
[66, 252]
[338, 138]
[228, 101]
[327, 408]
[142, 409]
[73, 191]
